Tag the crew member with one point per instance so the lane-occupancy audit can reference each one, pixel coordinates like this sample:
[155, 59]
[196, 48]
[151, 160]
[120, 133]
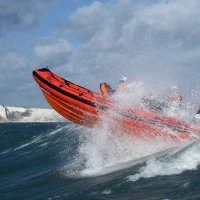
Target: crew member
[106, 90]
[197, 116]
[175, 97]
[122, 84]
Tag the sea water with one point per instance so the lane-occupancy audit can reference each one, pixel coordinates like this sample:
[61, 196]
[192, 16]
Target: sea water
[67, 161]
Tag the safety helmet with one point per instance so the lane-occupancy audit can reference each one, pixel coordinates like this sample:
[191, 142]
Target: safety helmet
[123, 79]
[174, 88]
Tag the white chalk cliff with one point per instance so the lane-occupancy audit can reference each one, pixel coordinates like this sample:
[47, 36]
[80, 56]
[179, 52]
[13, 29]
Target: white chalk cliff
[22, 114]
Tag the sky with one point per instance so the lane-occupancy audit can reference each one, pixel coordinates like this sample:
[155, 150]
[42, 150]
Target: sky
[88, 42]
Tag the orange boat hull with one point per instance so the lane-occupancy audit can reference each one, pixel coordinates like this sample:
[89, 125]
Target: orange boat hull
[69, 112]
[89, 108]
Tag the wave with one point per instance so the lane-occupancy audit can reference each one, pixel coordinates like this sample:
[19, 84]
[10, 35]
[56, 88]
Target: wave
[186, 158]
[74, 161]
[101, 151]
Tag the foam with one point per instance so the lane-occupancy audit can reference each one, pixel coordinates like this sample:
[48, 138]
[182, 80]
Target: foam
[177, 163]
[102, 151]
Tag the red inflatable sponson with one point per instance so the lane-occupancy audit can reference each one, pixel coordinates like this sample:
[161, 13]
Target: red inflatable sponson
[88, 108]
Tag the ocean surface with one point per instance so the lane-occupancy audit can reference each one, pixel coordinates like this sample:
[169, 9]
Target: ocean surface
[66, 161]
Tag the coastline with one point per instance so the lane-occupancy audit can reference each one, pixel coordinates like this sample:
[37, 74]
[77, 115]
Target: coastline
[9, 114]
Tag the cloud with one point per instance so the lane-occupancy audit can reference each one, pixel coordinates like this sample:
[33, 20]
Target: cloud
[52, 51]
[16, 82]
[12, 62]
[152, 40]
[14, 73]
[22, 14]
[91, 21]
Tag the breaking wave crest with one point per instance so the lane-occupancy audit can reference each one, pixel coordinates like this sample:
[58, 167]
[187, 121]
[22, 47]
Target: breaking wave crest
[103, 151]
[187, 158]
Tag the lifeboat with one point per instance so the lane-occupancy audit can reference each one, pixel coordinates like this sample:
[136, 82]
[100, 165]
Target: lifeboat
[88, 108]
